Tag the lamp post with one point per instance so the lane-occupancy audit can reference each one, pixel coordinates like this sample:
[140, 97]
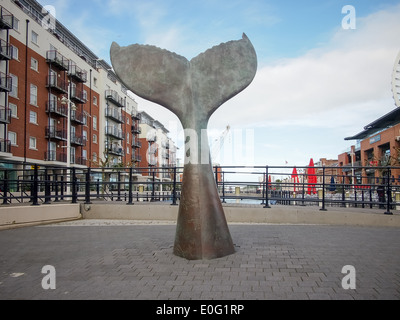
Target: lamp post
[71, 107]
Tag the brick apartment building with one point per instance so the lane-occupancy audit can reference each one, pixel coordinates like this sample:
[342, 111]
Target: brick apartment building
[60, 104]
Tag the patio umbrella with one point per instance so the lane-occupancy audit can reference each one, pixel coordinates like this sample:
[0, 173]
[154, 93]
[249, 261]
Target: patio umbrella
[312, 178]
[295, 178]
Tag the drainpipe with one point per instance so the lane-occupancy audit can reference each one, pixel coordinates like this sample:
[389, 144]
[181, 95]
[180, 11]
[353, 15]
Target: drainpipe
[26, 88]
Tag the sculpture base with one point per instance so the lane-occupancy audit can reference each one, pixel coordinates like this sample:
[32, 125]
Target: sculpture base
[202, 231]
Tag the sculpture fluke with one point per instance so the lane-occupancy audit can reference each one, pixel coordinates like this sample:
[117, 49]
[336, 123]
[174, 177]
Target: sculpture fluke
[192, 90]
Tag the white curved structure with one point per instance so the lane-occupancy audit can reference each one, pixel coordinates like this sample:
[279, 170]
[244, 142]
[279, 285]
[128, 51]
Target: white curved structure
[396, 81]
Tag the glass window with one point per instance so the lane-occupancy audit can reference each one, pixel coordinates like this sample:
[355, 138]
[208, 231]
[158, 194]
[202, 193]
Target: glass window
[32, 143]
[33, 117]
[35, 37]
[34, 64]
[16, 24]
[95, 138]
[12, 136]
[94, 156]
[34, 95]
[15, 52]
[94, 123]
[14, 89]
[95, 100]
[14, 110]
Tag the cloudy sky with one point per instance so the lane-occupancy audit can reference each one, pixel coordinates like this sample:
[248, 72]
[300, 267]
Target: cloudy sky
[322, 75]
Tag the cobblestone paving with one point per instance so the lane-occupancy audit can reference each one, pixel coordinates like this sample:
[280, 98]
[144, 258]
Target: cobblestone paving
[132, 261]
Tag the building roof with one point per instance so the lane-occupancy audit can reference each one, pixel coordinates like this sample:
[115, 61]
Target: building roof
[388, 120]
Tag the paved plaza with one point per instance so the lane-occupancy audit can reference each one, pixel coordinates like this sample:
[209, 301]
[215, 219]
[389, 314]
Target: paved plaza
[127, 260]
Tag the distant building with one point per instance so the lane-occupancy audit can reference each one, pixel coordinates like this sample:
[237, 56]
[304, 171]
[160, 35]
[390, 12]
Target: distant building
[396, 81]
[377, 147]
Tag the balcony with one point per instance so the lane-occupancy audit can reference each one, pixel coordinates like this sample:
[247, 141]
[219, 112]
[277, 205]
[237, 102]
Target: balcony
[5, 146]
[54, 82]
[5, 50]
[5, 115]
[54, 106]
[78, 140]
[5, 82]
[56, 133]
[136, 143]
[116, 150]
[114, 97]
[78, 95]
[6, 19]
[77, 73]
[55, 58]
[81, 161]
[114, 132]
[55, 156]
[136, 158]
[78, 117]
[136, 129]
[136, 116]
[114, 114]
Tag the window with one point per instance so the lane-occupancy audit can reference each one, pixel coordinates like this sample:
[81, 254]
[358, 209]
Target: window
[12, 136]
[127, 137]
[95, 138]
[15, 52]
[94, 123]
[14, 110]
[16, 24]
[95, 101]
[33, 95]
[14, 89]
[32, 143]
[35, 37]
[95, 82]
[84, 154]
[34, 64]
[127, 150]
[33, 117]
[84, 133]
[85, 95]
[94, 157]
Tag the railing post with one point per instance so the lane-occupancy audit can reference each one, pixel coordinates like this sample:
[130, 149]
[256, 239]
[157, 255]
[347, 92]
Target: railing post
[130, 196]
[223, 187]
[174, 190]
[153, 191]
[87, 187]
[56, 188]
[119, 187]
[47, 191]
[266, 188]
[35, 186]
[74, 187]
[5, 188]
[388, 193]
[323, 190]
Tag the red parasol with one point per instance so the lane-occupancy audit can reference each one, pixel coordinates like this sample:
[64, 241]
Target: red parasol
[295, 178]
[312, 178]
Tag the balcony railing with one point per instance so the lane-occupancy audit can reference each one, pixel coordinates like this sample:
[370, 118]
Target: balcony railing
[5, 146]
[5, 115]
[56, 58]
[5, 82]
[136, 143]
[136, 129]
[136, 115]
[55, 156]
[78, 95]
[116, 150]
[77, 73]
[5, 50]
[78, 140]
[114, 132]
[6, 19]
[78, 117]
[54, 106]
[115, 98]
[136, 158]
[56, 133]
[55, 83]
[114, 114]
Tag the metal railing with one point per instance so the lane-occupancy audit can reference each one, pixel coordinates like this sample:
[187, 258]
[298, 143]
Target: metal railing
[264, 186]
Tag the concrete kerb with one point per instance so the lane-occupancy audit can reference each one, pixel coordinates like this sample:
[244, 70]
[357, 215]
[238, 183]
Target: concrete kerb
[249, 214]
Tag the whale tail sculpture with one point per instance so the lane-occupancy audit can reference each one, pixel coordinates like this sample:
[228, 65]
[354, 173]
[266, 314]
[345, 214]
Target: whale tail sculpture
[193, 91]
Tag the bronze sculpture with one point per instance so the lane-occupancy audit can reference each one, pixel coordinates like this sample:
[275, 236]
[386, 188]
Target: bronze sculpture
[192, 90]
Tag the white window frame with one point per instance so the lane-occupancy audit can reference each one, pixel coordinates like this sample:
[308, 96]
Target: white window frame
[33, 117]
[33, 97]
[32, 143]
[13, 137]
